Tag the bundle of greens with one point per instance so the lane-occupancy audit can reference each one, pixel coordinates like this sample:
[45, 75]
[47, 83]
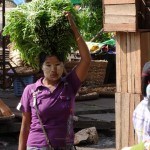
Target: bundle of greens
[41, 26]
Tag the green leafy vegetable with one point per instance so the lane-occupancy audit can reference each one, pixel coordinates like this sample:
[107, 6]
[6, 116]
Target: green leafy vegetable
[41, 26]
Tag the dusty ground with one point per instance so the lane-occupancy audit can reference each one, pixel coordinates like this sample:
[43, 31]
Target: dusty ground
[106, 142]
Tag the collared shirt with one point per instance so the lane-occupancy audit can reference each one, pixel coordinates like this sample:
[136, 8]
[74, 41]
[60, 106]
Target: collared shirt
[141, 120]
[54, 109]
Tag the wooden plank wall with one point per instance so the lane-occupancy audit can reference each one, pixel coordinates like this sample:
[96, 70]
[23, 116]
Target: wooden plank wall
[128, 58]
[126, 15]
[132, 51]
[117, 16]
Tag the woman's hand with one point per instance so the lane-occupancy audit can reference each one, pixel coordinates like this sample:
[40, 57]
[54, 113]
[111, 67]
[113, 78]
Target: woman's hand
[5, 110]
[68, 15]
[71, 21]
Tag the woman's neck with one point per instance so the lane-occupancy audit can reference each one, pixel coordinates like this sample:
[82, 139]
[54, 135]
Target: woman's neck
[51, 85]
[49, 82]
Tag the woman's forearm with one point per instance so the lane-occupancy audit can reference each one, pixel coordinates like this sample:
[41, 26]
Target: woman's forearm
[24, 131]
[82, 46]
[23, 140]
[84, 64]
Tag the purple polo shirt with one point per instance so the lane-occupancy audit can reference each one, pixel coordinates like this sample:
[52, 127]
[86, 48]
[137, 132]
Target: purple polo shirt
[54, 109]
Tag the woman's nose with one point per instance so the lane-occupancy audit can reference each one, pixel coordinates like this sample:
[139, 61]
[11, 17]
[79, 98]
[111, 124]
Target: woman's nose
[53, 68]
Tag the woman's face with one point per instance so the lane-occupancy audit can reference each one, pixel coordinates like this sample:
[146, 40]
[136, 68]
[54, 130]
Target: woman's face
[52, 68]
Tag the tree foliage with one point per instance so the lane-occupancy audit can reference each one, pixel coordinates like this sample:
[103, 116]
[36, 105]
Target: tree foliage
[91, 15]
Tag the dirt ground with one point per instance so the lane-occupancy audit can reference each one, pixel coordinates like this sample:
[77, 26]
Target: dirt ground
[106, 142]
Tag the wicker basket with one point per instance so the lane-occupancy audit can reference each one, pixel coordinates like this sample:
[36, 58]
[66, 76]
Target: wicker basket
[18, 64]
[25, 70]
[108, 89]
[15, 58]
[96, 74]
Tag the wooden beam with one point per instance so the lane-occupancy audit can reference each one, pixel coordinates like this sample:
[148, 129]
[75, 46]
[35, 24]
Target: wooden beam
[133, 62]
[131, 129]
[118, 62]
[118, 19]
[137, 67]
[118, 117]
[118, 1]
[123, 56]
[125, 98]
[120, 27]
[125, 9]
[129, 68]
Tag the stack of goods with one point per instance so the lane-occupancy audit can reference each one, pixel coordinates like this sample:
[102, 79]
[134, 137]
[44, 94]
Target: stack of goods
[41, 26]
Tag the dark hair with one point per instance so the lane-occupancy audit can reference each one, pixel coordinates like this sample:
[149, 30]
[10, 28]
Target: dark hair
[145, 77]
[145, 82]
[43, 56]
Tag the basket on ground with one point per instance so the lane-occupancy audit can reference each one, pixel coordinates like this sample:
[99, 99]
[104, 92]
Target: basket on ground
[96, 73]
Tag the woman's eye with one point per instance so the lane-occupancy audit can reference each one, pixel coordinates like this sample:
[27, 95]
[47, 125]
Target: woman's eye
[48, 65]
[57, 64]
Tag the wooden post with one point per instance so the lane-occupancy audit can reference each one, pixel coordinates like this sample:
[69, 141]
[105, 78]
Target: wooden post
[132, 51]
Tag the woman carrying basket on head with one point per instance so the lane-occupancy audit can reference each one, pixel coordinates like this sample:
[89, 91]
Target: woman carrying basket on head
[51, 99]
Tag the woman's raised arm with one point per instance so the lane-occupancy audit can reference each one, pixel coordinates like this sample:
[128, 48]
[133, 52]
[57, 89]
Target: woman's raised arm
[83, 66]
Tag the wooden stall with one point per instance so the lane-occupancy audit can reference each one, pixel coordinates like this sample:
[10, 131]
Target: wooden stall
[126, 15]
[130, 20]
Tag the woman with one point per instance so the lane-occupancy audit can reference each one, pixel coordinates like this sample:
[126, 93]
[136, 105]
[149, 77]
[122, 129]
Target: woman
[55, 97]
[141, 114]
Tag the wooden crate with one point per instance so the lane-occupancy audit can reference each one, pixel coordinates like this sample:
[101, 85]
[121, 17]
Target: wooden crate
[126, 15]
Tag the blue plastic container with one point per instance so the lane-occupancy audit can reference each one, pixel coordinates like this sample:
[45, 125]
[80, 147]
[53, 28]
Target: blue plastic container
[18, 87]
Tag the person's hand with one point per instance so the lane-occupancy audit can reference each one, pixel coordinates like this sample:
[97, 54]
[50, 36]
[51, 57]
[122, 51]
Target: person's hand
[71, 21]
[5, 110]
[68, 15]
